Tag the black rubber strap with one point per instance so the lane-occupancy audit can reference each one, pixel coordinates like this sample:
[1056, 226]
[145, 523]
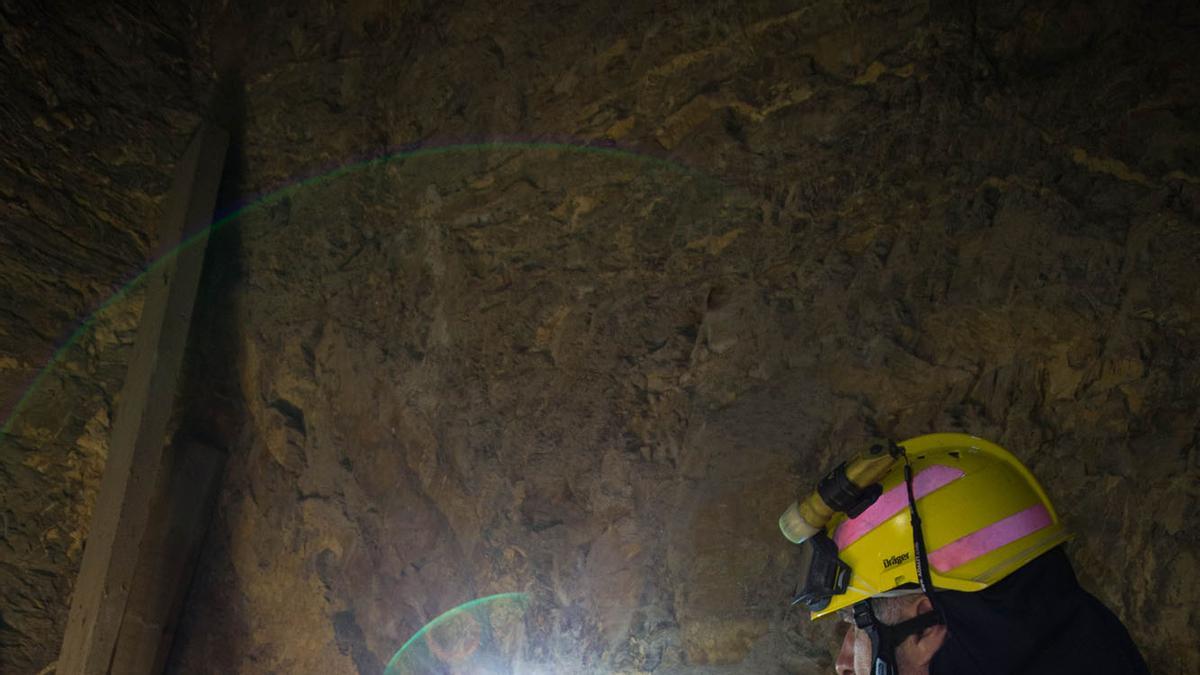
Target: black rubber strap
[900, 632]
[922, 557]
[885, 639]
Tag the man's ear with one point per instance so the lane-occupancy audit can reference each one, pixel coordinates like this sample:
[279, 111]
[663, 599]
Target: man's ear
[926, 643]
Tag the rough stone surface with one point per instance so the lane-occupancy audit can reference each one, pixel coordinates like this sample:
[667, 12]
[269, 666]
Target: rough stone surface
[719, 248]
[594, 376]
[95, 109]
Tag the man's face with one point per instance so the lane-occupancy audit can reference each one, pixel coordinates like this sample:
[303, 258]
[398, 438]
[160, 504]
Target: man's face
[913, 655]
[855, 656]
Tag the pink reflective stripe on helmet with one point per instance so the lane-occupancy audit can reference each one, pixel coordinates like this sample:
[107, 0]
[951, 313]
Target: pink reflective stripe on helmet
[892, 502]
[980, 542]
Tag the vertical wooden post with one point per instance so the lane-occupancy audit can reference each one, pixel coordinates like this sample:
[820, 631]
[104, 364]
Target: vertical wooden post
[131, 473]
[187, 488]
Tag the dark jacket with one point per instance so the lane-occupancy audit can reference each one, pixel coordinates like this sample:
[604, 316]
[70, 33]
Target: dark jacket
[1037, 620]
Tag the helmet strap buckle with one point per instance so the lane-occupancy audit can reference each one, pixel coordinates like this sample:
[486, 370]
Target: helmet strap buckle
[885, 638]
[883, 651]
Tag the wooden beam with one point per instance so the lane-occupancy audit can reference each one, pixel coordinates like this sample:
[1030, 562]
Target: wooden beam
[139, 431]
[181, 509]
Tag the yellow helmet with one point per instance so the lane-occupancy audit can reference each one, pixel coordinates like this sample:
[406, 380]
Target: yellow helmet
[983, 516]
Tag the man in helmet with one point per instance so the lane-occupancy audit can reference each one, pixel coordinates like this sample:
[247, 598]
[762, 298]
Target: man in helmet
[953, 564]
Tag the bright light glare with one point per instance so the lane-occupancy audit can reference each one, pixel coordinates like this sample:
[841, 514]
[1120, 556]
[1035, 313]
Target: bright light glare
[480, 637]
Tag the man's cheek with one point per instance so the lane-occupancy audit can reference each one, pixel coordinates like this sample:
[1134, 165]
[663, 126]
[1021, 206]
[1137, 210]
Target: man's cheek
[862, 653]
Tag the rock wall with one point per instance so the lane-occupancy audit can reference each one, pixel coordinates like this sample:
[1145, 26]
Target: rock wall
[96, 108]
[708, 251]
[577, 298]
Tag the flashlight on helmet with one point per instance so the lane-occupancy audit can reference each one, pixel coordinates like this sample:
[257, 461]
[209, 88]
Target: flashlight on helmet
[849, 488]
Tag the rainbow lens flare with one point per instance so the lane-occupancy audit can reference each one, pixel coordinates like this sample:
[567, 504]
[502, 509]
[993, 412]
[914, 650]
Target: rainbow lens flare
[483, 636]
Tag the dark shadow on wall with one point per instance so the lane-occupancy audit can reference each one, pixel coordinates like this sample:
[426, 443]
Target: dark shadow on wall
[210, 407]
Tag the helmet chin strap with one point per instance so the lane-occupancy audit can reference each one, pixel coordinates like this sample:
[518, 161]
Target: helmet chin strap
[884, 638]
[922, 557]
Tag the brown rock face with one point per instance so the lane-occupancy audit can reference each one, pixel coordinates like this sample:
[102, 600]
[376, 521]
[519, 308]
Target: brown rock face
[96, 106]
[576, 300]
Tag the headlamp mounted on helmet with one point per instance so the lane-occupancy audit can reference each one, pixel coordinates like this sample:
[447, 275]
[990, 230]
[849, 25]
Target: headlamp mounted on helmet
[823, 574]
